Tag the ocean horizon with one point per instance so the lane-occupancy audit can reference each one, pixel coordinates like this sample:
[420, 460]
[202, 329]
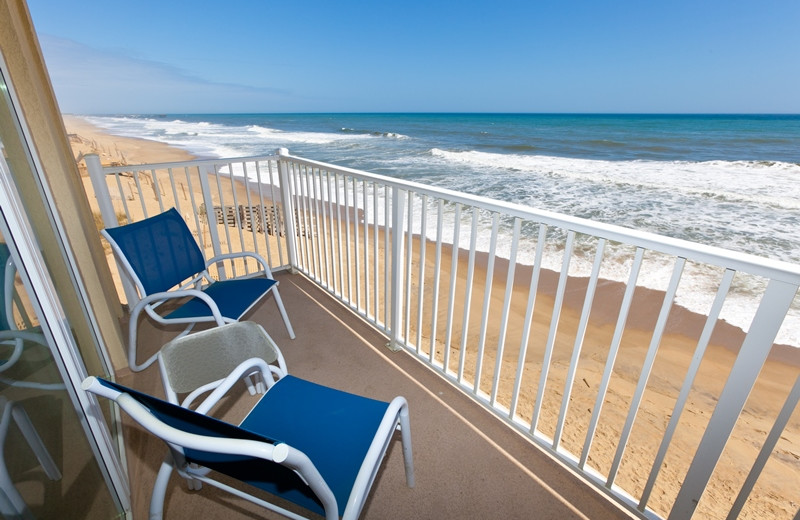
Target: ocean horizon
[726, 180]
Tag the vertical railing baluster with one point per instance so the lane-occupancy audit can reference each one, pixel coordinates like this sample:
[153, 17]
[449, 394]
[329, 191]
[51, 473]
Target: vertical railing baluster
[327, 223]
[347, 256]
[304, 226]
[387, 212]
[327, 228]
[356, 243]
[156, 191]
[357, 249]
[122, 197]
[337, 204]
[451, 294]
[175, 198]
[473, 245]
[224, 218]
[533, 288]
[375, 256]
[300, 229]
[436, 271]
[103, 194]
[766, 324]
[691, 373]
[275, 217]
[247, 211]
[551, 336]
[578, 346]
[205, 188]
[262, 214]
[396, 300]
[366, 250]
[211, 229]
[423, 247]
[318, 233]
[312, 233]
[288, 206]
[766, 449]
[622, 318]
[140, 192]
[487, 299]
[238, 217]
[501, 342]
[647, 367]
[409, 257]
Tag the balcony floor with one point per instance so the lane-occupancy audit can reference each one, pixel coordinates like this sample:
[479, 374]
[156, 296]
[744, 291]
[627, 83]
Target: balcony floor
[468, 463]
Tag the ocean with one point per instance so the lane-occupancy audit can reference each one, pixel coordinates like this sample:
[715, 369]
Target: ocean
[731, 181]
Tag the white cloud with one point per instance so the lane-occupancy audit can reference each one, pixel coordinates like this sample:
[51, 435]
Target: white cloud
[93, 81]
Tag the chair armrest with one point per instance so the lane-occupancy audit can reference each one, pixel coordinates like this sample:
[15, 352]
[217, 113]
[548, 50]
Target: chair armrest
[145, 303]
[33, 337]
[227, 256]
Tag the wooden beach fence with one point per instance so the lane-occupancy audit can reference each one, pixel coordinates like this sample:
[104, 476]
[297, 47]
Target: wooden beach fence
[261, 217]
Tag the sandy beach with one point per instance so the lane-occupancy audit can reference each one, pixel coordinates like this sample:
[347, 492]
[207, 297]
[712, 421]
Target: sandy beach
[773, 496]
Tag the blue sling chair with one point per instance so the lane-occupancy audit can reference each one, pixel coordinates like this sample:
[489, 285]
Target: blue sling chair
[316, 447]
[163, 261]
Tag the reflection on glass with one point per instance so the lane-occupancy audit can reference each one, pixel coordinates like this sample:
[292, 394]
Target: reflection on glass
[47, 469]
[47, 466]
[31, 398]
[20, 332]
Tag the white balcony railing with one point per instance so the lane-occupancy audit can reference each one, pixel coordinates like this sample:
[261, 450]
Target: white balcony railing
[546, 320]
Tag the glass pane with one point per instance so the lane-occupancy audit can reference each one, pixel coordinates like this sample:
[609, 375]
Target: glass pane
[48, 468]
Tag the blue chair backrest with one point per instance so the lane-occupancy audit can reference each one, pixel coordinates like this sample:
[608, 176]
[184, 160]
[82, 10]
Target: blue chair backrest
[5, 254]
[185, 419]
[160, 249]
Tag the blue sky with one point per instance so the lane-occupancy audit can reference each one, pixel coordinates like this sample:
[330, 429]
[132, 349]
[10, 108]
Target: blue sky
[684, 56]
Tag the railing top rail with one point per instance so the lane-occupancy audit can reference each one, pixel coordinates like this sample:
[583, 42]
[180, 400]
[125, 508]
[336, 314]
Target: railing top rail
[746, 262]
[713, 255]
[181, 164]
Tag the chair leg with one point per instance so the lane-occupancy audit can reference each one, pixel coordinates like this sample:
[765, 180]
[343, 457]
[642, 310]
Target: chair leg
[35, 442]
[248, 381]
[133, 325]
[282, 310]
[160, 489]
[12, 505]
[255, 383]
[405, 437]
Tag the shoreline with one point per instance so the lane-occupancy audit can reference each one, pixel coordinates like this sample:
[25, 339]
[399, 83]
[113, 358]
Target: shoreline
[86, 138]
[674, 354]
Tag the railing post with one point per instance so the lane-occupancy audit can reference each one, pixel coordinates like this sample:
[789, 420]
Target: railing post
[756, 347]
[208, 202]
[109, 216]
[288, 212]
[396, 295]
[101, 192]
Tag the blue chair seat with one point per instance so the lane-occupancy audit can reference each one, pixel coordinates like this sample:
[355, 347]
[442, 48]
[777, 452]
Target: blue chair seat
[298, 410]
[233, 298]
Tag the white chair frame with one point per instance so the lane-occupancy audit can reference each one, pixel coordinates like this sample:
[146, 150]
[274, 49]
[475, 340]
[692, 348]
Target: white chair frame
[396, 417]
[190, 288]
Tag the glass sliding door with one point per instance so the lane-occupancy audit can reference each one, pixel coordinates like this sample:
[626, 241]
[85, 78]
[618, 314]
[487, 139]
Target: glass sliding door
[56, 456]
